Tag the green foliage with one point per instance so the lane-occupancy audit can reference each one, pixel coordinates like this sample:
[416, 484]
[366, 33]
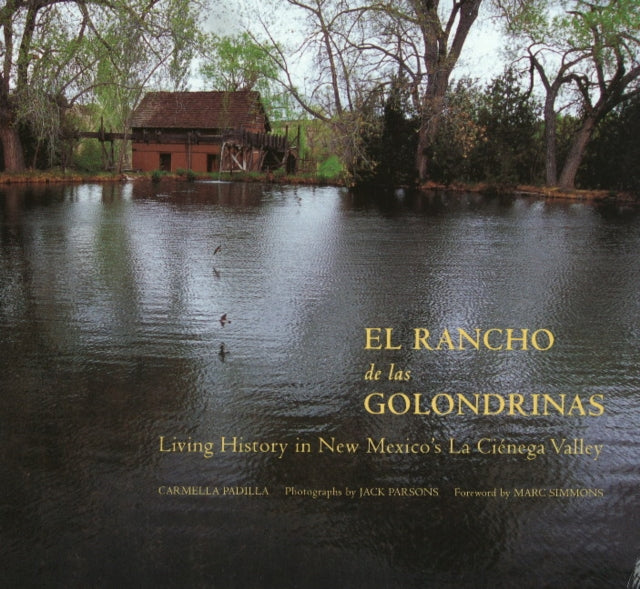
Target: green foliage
[303, 142]
[60, 54]
[585, 55]
[316, 139]
[237, 63]
[87, 156]
[391, 147]
[527, 18]
[127, 67]
[188, 175]
[611, 161]
[234, 63]
[330, 168]
[492, 136]
[297, 131]
[459, 134]
[511, 150]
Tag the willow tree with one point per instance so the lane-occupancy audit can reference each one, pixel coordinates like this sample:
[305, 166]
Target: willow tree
[147, 50]
[586, 55]
[57, 52]
[237, 63]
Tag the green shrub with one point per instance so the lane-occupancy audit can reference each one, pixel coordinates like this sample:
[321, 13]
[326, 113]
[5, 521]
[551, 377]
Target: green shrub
[87, 157]
[330, 168]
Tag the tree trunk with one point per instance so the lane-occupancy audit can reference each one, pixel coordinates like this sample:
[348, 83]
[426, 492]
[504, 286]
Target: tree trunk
[429, 124]
[576, 153]
[12, 148]
[550, 142]
[423, 155]
[439, 61]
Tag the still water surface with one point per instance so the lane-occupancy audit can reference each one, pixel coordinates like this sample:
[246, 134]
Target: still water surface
[110, 306]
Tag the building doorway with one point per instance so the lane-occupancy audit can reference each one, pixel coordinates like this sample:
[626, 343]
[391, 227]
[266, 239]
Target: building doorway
[212, 163]
[165, 162]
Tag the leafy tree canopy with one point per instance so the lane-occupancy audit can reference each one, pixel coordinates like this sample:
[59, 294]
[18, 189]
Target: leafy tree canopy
[56, 53]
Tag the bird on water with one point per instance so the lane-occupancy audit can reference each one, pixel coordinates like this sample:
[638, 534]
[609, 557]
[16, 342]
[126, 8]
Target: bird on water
[215, 251]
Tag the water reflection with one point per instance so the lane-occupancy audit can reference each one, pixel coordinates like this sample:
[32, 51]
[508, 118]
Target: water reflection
[111, 304]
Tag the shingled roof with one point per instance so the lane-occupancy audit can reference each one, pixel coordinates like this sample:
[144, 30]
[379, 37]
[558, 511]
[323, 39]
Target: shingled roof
[200, 110]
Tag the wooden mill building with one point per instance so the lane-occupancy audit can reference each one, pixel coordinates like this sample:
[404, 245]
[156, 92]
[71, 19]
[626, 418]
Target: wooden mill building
[205, 132]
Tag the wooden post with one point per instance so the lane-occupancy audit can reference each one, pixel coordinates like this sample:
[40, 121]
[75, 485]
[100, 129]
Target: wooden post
[188, 150]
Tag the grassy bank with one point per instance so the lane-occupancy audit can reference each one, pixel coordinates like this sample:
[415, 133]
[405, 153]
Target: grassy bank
[56, 176]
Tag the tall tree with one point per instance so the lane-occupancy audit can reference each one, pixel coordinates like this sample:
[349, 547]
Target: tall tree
[443, 38]
[54, 52]
[322, 69]
[361, 46]
[586, 55]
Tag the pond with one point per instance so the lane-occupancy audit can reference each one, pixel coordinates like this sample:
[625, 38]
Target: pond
[232, 385]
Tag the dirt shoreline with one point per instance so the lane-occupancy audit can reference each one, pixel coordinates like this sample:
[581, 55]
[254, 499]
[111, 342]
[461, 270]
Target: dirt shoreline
[546, 192]
[595, 196]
